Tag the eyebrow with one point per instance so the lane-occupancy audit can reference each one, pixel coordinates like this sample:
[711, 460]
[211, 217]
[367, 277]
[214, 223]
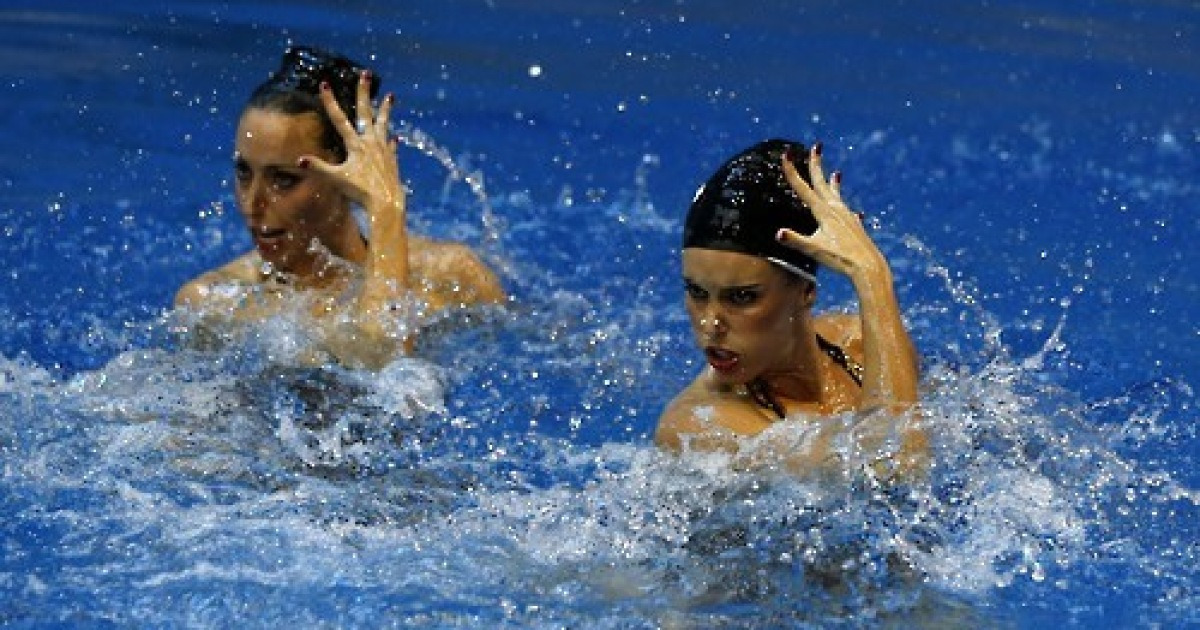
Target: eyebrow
[736, 287]
[742, 287]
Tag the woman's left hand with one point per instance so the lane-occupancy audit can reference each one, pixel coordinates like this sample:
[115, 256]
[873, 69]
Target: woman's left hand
[370, 174]
[840, 241]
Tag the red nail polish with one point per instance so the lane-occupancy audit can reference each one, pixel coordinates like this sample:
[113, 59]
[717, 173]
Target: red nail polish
[324, 86]
[391, 98]
[837, 177]
[302, 162]
[818, 147]
[366, 76]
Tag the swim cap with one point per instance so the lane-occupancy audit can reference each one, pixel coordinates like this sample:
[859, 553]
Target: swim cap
[745, 203]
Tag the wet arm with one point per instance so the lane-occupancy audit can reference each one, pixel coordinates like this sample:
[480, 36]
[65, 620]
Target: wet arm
[842, 244]
[890, 375]
[371, 334]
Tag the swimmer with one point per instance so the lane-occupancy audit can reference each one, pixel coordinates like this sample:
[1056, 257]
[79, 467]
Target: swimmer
[311, 144]
[754, 237]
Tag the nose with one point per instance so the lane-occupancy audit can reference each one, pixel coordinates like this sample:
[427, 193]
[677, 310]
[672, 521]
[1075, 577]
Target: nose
[712, 323]
[254, 199]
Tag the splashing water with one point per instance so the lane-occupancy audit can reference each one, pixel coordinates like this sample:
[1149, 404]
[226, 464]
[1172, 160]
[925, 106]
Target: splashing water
[504, 491]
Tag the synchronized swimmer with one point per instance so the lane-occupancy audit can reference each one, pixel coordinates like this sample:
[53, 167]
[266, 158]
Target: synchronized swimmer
[299, 165]
[752, 242]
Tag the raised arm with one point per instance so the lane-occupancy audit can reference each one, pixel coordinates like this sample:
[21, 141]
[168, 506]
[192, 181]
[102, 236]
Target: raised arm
[370, 176]
[842, 244]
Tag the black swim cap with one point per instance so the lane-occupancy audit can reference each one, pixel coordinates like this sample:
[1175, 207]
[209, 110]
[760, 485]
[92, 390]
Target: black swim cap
[745, 203]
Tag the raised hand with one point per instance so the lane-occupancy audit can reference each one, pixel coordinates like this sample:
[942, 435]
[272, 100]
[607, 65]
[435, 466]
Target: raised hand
[370, 174]
[840, 241]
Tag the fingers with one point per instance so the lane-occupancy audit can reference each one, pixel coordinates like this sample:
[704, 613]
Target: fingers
[384, 115]
[335, 113]
[314, 163]
[801, 187]
[367, 117]
[792, 239]
[822, 189]
[363, 101]
[816, 173]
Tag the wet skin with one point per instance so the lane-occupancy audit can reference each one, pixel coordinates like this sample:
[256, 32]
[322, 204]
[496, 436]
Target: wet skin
[287, 207]
[743, 313]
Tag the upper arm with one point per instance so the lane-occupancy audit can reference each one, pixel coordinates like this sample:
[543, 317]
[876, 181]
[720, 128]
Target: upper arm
[191, 294]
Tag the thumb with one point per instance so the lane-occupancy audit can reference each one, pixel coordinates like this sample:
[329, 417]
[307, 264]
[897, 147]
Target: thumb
[314, 163]
[792, 239]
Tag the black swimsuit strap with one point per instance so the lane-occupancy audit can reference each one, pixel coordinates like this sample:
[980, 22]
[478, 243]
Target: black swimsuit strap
[839, 356]
[761, 393]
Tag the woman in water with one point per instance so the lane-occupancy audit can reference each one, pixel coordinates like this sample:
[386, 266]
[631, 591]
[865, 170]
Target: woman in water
[310, 144]
[754, 236]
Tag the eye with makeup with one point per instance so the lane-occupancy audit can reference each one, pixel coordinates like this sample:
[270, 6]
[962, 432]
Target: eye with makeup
[694, 291]
[241, 171]
[741, 296]
[283, 181]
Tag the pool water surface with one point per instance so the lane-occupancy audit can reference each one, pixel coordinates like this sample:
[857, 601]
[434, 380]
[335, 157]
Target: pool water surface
[1028, 168]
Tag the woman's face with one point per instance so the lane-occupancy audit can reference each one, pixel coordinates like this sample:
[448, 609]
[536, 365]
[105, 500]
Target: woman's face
[285, 206]
[743, 312]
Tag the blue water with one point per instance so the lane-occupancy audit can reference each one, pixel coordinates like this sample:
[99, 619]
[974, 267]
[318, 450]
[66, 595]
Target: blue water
[1030, 168]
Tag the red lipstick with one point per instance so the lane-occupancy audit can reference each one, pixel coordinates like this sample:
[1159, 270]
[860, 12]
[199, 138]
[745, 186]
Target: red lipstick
[722, 360]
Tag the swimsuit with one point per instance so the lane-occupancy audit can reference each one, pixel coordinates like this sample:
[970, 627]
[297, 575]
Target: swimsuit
[762, 396]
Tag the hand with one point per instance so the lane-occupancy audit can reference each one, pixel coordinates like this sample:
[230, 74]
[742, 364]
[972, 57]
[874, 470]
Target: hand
[840, 241]
[370, 174]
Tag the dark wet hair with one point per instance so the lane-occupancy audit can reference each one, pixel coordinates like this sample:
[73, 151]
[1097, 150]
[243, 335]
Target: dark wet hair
[296, 86]
[745, 203]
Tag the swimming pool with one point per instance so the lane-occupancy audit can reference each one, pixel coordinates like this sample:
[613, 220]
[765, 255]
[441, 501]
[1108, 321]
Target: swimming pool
[1029, 168]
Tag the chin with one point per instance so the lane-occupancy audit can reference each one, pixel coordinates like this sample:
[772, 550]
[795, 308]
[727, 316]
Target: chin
[730, 379]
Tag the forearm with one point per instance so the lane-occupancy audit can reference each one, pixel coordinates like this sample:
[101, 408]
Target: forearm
[889, 358]
[386, 274]
[373, 329]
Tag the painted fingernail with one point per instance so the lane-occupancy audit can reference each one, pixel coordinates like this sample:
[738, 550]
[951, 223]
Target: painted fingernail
[324, 86]
[391, 98]
[366, 76]
[781, 235]
[302, 162]
[818, 147]
[837, 177]
[792, 155]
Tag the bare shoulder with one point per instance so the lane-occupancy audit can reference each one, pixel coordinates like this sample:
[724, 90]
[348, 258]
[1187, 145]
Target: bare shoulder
[706, 419]
[197, 291]
[454, 272]
[842, 329]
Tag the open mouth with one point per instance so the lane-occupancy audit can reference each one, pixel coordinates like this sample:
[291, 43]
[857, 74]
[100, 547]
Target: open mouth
[268, 236]
[722, 360]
